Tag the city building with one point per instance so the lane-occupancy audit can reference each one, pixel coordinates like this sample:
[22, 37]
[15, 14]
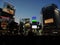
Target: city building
[51, 18]
[7, 19]
[7, 12]
[50, 15]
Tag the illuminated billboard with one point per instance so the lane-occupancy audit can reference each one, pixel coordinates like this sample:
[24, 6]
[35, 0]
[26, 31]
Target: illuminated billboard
[8, 11]
[34, 26]
[49, 21]
[34, 18]
[8, 8]
[4, 18]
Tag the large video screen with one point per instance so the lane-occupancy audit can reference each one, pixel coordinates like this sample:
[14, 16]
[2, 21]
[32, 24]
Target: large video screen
[49, 21]
[8, 11]
[34, 26]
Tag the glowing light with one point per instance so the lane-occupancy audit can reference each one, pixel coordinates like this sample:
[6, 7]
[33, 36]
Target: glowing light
[34, 26]
[49, 20]
[34, 20]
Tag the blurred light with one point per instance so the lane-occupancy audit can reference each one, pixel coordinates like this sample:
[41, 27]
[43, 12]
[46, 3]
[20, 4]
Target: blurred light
[56, 11]
[34, 26]
[49, 20]
[34, 20]
[27, 24]
[8, 11]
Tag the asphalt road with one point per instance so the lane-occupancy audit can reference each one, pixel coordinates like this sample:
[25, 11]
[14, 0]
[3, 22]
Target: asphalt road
[23, 40]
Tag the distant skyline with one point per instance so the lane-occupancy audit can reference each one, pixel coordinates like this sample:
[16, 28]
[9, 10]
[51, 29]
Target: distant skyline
[29, 8]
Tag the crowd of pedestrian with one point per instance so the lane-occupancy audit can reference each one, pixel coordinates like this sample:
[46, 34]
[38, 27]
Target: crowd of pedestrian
[13, 28]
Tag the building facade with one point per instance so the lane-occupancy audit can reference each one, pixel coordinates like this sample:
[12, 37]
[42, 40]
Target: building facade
[51, 18]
